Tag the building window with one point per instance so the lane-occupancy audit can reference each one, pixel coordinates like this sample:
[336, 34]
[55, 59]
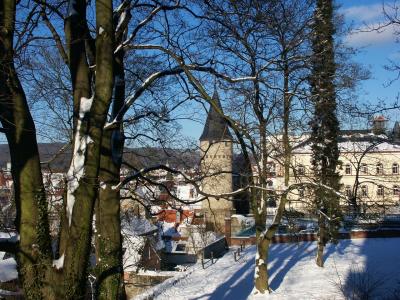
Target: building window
[396, 190]
[380, 191]
[226, 144]
[395, 169]
[347, 169]
[379, 169]
[301, 170]
[364, 191]
[364, 169]
[301, 192]
[270, 183]
[348, 190]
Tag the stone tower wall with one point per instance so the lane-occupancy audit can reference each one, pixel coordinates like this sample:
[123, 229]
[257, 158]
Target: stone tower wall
[217, 156]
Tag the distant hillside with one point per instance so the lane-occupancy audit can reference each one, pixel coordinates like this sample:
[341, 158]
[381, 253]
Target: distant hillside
[137, 157]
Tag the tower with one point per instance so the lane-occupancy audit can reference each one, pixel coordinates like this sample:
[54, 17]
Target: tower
[216, 166]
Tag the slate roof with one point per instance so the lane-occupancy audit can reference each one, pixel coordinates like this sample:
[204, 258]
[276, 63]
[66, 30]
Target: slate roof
[215, 128]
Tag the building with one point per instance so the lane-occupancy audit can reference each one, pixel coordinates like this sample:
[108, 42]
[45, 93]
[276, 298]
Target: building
[216, 167]
[369, 165]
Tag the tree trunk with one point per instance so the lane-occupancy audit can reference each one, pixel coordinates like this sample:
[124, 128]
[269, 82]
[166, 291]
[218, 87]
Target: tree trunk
[261, 273]
[109, 264]
[321, 241]
[108, 236]
[34, 251]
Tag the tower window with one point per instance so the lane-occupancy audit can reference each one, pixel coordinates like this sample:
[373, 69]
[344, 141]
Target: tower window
[301, 192]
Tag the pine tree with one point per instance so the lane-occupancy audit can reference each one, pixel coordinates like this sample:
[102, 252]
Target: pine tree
[325, 125]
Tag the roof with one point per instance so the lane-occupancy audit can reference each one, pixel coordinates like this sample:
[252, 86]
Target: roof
[356, 141]
[380, 118]
[216, 127]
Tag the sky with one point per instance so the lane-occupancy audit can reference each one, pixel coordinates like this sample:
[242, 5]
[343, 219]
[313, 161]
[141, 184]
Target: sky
[376, 48]
[375, 51]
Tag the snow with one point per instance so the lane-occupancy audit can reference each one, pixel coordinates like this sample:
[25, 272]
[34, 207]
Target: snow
[8, 270]
[103, 185]
[59, 263]
[76, 169]
[293, 272]
[121, 20]
[356, 146]
[138, 226]
[133, 231]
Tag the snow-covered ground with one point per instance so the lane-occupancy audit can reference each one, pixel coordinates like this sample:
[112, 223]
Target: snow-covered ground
[8, 267]
[293, 273]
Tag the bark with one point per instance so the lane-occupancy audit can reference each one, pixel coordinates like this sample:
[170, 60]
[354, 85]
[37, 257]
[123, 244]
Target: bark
[321, 241]
[108, 223]
[261, 272]
[76, 241]
[34, 251]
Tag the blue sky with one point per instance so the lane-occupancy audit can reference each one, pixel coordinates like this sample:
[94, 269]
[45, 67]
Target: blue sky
[375, 50]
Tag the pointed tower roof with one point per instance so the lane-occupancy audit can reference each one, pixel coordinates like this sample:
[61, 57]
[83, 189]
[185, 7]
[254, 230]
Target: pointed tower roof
[396, 128]
[216, 127]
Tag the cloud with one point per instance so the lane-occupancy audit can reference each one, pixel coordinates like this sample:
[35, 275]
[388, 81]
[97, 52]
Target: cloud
[364, 13]
[365, 36]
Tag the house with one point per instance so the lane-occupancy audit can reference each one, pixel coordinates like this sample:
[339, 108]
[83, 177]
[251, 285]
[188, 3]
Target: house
[369, 166]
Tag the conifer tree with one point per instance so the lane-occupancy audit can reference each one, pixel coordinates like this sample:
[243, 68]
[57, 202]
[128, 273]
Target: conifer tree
[325, 125]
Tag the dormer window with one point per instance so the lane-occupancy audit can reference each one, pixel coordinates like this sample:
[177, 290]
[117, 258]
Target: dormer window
[395, 168]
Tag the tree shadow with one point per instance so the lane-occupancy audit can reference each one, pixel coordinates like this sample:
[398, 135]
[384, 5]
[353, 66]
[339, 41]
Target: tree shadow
[288, 259]
[238, 286]
[378, 276]
[338, 248]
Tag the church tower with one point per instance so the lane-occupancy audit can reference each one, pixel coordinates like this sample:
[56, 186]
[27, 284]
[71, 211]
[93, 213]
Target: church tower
[216, 153]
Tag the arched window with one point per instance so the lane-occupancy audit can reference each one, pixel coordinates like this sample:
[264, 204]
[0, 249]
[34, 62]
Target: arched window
[301, 170]
[380, 191]
[379, 169]
[347, 169]
[395, 168]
